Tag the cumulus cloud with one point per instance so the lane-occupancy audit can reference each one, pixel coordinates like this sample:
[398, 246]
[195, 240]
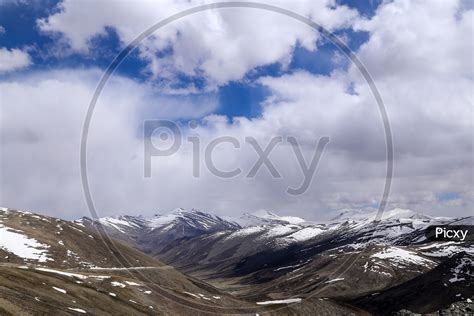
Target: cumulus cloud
[13, 59]
[220, 44]
[403, 40]
[420, 68]
[424, 73]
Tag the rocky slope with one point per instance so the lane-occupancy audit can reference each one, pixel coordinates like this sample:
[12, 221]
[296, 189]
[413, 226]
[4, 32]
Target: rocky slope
[451, 281]
[152, 234]
[50, 266]
[271, 247]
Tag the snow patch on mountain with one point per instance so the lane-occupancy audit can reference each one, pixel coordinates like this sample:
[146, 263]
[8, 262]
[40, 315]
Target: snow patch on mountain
[79, 310]
[279, 230]
[306, 233]
[118, 221]
[272, 216]
[285, 301]
[16, 242]
[334, 280]
[446, 249]
[401, 257]
[465, 267]
[161, 220]
[246, 231]
[264, 217]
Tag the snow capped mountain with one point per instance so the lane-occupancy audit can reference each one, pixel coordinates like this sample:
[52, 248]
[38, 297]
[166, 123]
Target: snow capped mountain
[393, 249]
[151, 234]
[197, 219]
[396, 227]
[267, 245]
[124, 222]
[179, 218]
[264, 217]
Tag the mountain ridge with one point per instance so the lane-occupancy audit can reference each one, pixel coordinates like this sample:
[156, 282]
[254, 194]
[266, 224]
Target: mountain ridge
[302, 266]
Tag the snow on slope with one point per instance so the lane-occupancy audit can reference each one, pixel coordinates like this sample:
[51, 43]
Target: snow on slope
[402, 257]
[191, 218]
[463, 268]
[286, 301]
[264, 217]
[272, 216]
[22, 246]
[279, 230]
[306, 233]
[162, 220]
[114, 222]
[395, 225]
[246, 231]
[446, 249]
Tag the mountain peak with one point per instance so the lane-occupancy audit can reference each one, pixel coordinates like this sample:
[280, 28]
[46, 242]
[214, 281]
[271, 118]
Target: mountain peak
[178, 211]
[264, 217]
[180, 217]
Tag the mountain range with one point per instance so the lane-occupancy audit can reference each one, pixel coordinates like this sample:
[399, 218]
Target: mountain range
[191, 260]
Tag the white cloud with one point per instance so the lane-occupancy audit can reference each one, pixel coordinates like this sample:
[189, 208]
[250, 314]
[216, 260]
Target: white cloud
[13, 59]
[40, 143]
[424, 71]
[420, 68]
[221, 44]
[42, 116]
[404, 39]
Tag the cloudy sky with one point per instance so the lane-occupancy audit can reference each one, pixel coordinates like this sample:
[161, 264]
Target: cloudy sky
[237, 72]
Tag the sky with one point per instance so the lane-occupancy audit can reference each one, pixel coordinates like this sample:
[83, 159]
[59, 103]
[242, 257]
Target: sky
[238, 73]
